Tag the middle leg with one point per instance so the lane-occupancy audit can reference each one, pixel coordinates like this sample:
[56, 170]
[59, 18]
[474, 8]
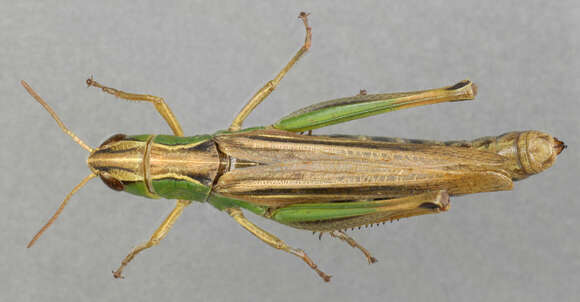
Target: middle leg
[265, 91]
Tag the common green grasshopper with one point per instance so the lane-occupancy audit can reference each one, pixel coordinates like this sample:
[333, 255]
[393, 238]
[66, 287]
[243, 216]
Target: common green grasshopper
[324, 184]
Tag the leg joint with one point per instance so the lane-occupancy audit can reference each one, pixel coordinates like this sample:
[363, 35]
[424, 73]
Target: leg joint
[271, 85]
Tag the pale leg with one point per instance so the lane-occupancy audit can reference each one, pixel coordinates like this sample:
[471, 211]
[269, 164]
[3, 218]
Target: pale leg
[273, 241]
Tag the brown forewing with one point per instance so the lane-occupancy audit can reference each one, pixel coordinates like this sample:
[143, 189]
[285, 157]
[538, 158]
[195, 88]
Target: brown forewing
[293, 168]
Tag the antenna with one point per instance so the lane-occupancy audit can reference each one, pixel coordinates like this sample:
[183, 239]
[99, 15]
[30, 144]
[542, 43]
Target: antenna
[54, 116]
[60, 208]
[77, 140]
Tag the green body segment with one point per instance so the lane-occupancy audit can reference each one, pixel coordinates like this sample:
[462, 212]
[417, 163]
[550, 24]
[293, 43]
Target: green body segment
[171, 188]
[222, 202]
[139, 137]
[139, 188]
[181, 141]
[182, 167]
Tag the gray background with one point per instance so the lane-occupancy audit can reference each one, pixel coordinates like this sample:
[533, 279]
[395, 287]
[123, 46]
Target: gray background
[206, 59]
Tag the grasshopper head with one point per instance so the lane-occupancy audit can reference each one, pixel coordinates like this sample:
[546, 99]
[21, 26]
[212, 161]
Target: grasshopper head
[118, 161]
[100, 157]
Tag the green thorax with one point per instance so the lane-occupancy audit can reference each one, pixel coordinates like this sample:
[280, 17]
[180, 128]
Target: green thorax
[157, 166]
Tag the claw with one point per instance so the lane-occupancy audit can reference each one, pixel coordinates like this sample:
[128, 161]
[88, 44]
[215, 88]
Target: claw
[118, 275]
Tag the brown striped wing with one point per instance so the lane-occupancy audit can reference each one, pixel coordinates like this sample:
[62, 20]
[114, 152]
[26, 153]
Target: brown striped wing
[278, 168]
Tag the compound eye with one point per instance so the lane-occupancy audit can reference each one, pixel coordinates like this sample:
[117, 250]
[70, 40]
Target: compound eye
[112, 182]
[113, 139]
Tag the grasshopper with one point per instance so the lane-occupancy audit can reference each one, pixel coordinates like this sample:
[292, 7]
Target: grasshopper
[323, 184]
